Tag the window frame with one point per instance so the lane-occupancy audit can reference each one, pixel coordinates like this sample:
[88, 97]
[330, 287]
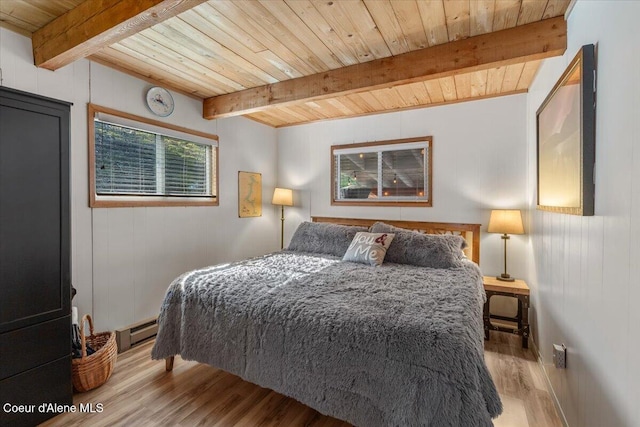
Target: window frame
[119, 201]
[384, 202]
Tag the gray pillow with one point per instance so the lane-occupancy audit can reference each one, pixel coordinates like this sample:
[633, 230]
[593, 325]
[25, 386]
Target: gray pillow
[323, 238]
[425, 250]
[368, 248]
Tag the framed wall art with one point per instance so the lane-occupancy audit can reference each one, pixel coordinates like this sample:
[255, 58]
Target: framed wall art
[566, 139]
[249, 194]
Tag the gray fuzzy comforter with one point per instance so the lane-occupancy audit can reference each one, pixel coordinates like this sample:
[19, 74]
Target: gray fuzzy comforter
[396, 345]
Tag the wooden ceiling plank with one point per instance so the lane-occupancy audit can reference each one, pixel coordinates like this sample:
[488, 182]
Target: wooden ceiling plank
[494, 80]
[531, 11]
[422, 92]
[408, 15]
[267, 119]
[26, 12]
[353, 23]
[109, 57]
[316, 22]
[155, 68]
[235, 11]
[168, 47]
[414, 94]
[434, 21]
[511, 77]
[283, 115]
[434, 104]
[355, 104]
[505, 14]
[365, 97]
[271, 118]
[306, 111]
[210, 41]
[148, 47]
[517, 45]
[327, 107]
[389, 98]
[226, 25]
[435, 91]
[17, 25]
[555, 8]
[463, 85]
[53, 8]
[365, 26]
[448, 87]
[279, 63]
[313, 108]
[341, 25]
[93, 25]
[292, 27]
[385, 18]
[297, 115]
[457, 15]
[528, 72]
[341, 107]
[398, 99]
[481, 16]
[303, 43]
[275, 118]
[201, 48]
[263, 118]
[224, 42]
[479, 83]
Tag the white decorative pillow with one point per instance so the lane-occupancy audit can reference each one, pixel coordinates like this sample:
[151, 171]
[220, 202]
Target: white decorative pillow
[368, 248]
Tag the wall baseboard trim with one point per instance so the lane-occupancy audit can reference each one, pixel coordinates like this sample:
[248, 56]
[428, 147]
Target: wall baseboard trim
[135, 334]
[554, 397]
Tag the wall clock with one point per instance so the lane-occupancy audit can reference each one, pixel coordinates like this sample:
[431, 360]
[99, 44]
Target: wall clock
[160, 101]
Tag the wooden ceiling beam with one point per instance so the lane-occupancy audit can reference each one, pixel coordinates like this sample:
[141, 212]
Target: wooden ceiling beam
[95, 24]
[520, 44]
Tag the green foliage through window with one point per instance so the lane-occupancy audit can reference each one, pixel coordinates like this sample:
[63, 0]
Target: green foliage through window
[137, 162]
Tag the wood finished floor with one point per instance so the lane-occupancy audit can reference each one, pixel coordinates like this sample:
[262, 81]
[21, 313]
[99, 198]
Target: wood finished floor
[140, 393]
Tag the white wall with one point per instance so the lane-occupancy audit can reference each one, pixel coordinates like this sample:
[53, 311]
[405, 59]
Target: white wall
[479, 158]
[585, 270]
[123, 259]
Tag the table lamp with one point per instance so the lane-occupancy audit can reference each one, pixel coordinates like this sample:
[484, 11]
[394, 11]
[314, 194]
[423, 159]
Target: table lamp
[282, 197]
[507, 222]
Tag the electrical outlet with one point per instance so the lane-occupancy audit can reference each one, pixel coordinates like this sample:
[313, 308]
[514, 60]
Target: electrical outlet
[560, 356]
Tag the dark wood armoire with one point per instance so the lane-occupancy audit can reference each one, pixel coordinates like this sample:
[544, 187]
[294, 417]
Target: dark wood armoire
[35, 275]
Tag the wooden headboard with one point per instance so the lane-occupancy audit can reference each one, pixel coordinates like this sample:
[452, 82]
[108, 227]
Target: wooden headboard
[470, 232]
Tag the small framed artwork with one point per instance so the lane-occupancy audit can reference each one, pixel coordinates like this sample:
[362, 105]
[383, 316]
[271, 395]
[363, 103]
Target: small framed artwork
[249, 194]
[566, 139]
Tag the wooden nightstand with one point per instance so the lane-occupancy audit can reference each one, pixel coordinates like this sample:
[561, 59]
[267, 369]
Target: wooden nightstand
[517, 289]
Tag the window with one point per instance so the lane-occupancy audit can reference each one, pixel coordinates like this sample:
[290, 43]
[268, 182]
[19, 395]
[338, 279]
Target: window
[141, 162]
[386, 173]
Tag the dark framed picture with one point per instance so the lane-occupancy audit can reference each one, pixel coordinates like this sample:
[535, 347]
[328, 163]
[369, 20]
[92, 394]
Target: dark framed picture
[566, 139]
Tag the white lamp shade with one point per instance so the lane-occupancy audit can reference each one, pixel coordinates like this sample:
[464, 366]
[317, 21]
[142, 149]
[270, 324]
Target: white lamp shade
[283, 197]
[505, 221]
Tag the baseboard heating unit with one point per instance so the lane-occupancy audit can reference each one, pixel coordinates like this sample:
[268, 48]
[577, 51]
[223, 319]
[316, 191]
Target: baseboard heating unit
[135, 334]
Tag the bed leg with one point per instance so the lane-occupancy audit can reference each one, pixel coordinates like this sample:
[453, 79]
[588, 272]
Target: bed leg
[169, 363]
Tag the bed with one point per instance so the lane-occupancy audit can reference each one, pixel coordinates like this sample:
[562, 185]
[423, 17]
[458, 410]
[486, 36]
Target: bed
[393, 345]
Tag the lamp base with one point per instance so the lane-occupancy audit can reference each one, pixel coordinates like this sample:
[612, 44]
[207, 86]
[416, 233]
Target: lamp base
[505, 278]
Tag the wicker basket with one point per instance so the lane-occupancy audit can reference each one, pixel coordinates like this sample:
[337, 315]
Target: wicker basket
[89, 372]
